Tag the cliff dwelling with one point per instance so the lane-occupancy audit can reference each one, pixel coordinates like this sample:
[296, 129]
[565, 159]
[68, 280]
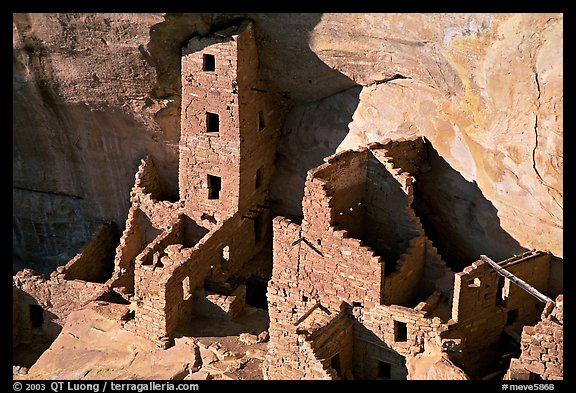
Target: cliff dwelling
[370, 277]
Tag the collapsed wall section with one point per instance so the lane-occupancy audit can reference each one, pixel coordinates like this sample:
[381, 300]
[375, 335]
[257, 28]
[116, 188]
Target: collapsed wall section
[95, 260]
[485, 305]
[542, 346]
[44, 304]
[325, 263]
[390, 221]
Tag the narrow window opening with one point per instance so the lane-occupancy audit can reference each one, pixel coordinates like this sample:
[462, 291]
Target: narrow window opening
[511, 317]
[36, 315]
[400, 331]
[474, 283]
[214, 187]
[261, 121]
[186, 289]
[500, 293]
[335, 363]
[209, 63]
[384, 370]
[258, 177]
[212, 122]
[225, 260]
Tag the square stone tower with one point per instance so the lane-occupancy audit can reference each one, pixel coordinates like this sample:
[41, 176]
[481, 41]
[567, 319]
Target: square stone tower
[228, 131]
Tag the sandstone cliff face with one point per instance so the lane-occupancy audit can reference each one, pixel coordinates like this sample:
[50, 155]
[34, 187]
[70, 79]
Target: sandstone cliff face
[486, 90]
[94, 93]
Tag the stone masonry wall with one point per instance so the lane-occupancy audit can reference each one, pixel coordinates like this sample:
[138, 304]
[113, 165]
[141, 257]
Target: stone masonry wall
[402, 287]
[204, 153]
[149, 283]
[282, 360]
[261, 118]
[379, 337]
[319, 265]
[146, 219]
[333, 346]
[95, 261]
[219, 306]
[436, 275]
[482, 318]
[241, 150]
[57, 296]
[340, 182]
[148, 180]
[390, 222]
[542, 347]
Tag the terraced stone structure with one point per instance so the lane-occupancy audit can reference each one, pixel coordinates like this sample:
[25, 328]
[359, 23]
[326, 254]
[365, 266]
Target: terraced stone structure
[176, 256]
[357, 287]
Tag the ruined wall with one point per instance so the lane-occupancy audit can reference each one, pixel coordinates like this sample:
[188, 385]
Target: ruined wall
[390, 334]
[219, 306]
[342, 179]
[390, 224]
[436, 275]
[306, 273]
[402, 286]
[282, 362]
[150, 276]
[533, 268]
[261, 114]
[333, 346]
[484, 305]
[542, 348]
[57, 297]
[95, 261]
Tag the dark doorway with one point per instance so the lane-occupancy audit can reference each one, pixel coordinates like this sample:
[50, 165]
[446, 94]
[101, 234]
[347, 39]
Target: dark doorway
[256, 288]
[36, 316]
[335, 364]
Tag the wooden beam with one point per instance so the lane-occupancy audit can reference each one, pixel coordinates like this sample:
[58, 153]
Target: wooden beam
[521, 283]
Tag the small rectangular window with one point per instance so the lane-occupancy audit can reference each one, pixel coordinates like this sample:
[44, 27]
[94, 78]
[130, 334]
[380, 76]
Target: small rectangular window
[384, 370]
[214, 187]
[400, 331]
[212, 122]
[261, 121]
[209, 63]
[500, 292]
[186, 289]
[335, 363]
[225, 259]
